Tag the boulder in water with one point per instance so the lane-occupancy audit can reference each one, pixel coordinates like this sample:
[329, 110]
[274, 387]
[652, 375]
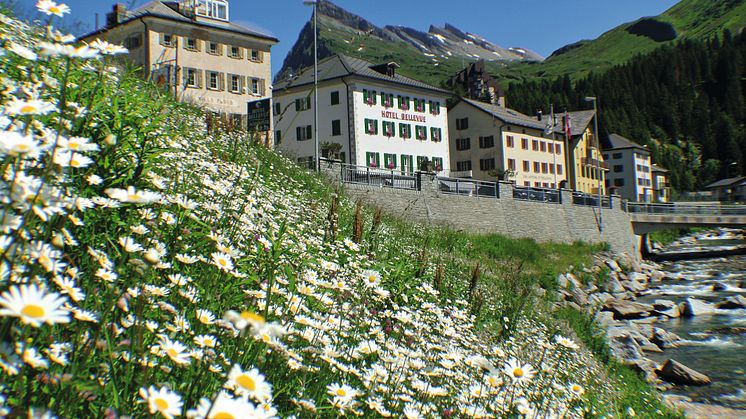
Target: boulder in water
[664, 339]
[678, 373]
[666, 308]
[719, 286]
[628, 309]
[694, 307]
[734, 302]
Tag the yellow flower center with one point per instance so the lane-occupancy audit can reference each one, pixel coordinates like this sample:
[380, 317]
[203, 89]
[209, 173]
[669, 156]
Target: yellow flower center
[371, 279]
[28, 109]
[132, 197]
[517, 372]
[247, 315]
[172, 353]
[54, 9]
[161, 404]
[33, 310]
[340, 392]
[246, 382]
[223, 415]
[223, 262]
[22, 147]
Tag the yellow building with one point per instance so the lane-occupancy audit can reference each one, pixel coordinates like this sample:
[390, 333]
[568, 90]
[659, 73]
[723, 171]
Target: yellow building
[193, 48]
[586, 166]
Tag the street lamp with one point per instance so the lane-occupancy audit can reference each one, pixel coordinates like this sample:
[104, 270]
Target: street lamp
[598, 158]
[317, 161]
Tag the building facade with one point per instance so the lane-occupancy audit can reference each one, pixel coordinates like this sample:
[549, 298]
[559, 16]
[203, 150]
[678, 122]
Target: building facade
[587, 168]
[490, 141]
[661, 185]
[728, 190]
[368, 116]
[631, 171]
[192, 48]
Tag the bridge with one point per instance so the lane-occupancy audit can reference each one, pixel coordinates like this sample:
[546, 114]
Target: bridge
[647, 218]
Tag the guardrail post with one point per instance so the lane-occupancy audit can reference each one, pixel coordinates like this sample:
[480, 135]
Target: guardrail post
[367, 175]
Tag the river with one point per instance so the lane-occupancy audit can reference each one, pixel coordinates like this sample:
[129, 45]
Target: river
[712, 344]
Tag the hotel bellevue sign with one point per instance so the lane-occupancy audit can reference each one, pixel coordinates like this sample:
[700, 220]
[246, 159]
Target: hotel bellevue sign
[403, 116]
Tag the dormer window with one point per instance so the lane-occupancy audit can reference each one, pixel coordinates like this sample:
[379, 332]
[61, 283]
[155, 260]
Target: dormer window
[214, 9]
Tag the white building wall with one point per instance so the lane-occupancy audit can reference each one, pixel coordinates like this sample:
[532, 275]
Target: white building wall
[636, 173]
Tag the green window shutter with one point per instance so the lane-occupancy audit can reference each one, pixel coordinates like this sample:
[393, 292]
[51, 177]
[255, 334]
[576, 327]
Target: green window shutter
[297, 105]
[309, 132]
[378, 159]
[367, 158]
[375, 126]
[298, 134]
[375, 99]
[308, 102]
[365, 96]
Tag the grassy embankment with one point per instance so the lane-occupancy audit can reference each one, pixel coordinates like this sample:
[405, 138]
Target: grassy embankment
[151, 267]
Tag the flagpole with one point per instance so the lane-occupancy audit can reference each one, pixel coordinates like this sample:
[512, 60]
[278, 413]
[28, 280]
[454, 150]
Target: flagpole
[554, 150]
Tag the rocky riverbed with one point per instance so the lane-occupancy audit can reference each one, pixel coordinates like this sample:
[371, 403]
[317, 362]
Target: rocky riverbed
[682, 324]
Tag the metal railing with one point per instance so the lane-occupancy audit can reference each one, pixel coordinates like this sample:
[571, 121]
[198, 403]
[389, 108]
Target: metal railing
[590, 200]
[468, 187]
[390, 178]
[526, 193]
[684, 209]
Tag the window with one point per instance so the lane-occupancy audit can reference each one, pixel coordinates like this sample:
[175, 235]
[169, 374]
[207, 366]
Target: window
[434, 107]
[511, 164]
[193, 78]
[463, 143]
[419, 105]
[235, 52]
[216, 9]
[606, 157]
[133, 41]
[405, 130]
[407, 163]
[387, 100]
[486, 164]
[304, 133]
[389, 129]
[369, 97]
[435, 134]
[619, 182]
[403, 103]
[535, 145]
[486, 142]
[543, 147]
[527, 184]
[616, 156]
[558, 148]
[551, 168]
[524, 143]
[537, 184]
[257, 87]
[544, 168]
[463, 166]
[214, 48]
[371, 126]
[462, 123]
[236, 83]
[278, 137]
[167, 40]
[278, 108]
[421, 132]
[191, 44]
[335, 98]
[551, 148]
[215, 80]
[256, 56]
[303, 104]
[618, 168]
[509, 141]
[372, 159]
[438, 163]
[526, 166]
[389, 161]
[336, 127]
[537, 167]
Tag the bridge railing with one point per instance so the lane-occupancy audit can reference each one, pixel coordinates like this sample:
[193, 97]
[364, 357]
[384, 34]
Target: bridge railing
[526, 193]
[684, 209]
[468, 187]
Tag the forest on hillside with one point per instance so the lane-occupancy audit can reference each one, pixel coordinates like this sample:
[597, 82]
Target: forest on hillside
[684, 101]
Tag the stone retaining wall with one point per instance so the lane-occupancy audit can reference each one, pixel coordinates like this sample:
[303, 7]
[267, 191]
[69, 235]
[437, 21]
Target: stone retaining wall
[543, 222]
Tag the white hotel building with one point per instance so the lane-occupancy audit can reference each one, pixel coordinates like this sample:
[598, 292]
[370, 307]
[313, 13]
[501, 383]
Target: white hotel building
[378, 117]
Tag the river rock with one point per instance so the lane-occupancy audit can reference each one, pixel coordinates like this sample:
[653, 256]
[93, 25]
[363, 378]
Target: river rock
[562, 281]
[678, 373]
[600, 298]
[574, 280]
[605, 319]
[666, 308]
[664, 339]
[614, 286]
[719, 286]
[638, 277]
[734, 302]
[633, 286]
[613, 265]
[628, 309]
[626, 348]
[694, 307]
[580, 297]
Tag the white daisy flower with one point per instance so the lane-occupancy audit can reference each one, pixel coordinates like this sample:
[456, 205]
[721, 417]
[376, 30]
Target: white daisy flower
[248, 383]
[33, 305]
[132, 195]
[163, 401]
[22, 51]
[28, 107]
[519, 373]
[15, 144]
[49, 7]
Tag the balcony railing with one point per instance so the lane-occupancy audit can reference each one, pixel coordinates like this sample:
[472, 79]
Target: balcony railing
[589, 161]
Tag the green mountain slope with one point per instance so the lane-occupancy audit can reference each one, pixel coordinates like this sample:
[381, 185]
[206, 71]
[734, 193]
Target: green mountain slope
[690, 19]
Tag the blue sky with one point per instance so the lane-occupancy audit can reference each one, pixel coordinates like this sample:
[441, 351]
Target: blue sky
[539, 25]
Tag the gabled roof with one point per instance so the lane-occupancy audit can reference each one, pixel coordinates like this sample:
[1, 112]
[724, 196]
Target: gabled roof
[734, 181]
[579, 121]
[508, 115]
[656, 168]
[338, 66]
[616, 141]
[169, 10]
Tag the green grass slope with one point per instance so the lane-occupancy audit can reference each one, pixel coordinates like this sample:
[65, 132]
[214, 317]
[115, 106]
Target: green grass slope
[152, 268]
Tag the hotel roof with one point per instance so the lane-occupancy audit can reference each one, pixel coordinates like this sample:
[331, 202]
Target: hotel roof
[338, 66]
[616, 141]
[169, 10]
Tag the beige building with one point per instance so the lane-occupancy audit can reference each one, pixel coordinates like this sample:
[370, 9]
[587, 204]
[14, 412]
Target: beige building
[661, 185]
[192, 47]
[488, 140]
[586, 165]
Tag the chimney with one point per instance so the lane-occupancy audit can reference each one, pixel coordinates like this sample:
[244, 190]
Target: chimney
[116, 16]
[538, 115]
